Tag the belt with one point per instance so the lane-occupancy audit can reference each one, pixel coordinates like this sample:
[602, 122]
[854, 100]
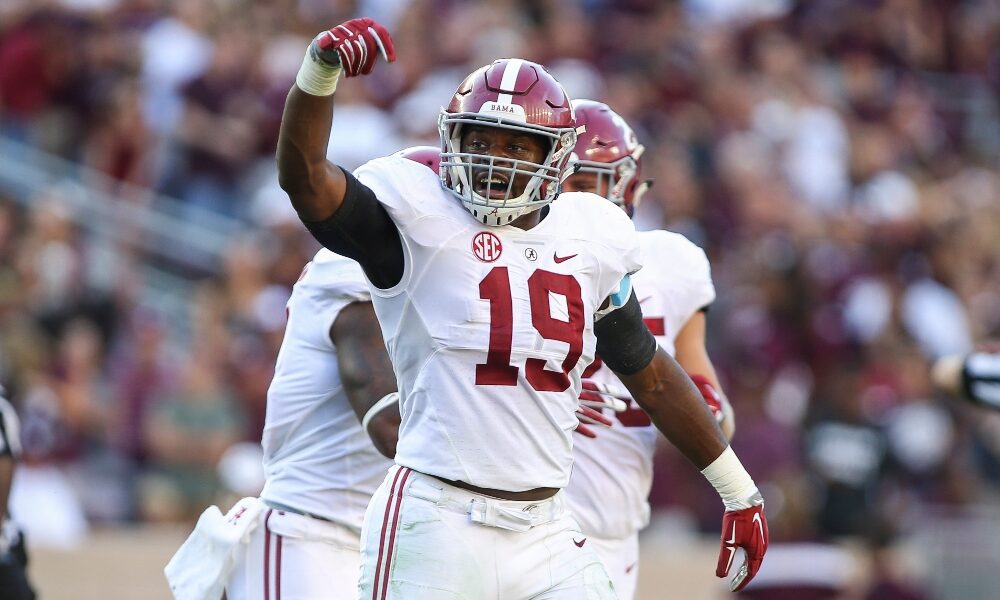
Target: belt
[513, 515]
[279, 506]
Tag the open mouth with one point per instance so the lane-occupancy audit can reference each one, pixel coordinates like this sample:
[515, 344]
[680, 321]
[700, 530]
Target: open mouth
[493, 186]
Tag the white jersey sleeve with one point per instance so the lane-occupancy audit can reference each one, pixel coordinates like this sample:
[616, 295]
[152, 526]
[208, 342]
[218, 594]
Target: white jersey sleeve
[316, 457]
[678, 285]
[613, 473]
[490, 328]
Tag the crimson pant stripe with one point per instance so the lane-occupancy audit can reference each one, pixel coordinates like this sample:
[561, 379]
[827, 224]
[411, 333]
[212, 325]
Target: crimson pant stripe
[385, 525]
[392, 534]
[277, 569]
[267, 557]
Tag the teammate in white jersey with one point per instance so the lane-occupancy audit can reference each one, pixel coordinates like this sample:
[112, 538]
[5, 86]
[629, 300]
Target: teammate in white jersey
[613, 474]
[301, 538]
[321, 467]
[492, 301]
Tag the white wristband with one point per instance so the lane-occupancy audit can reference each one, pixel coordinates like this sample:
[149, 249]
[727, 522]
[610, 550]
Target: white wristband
[390, 399]
[731, 480]
[316, 76]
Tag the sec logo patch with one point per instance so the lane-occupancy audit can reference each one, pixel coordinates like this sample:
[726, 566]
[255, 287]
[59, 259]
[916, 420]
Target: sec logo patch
[486, 246]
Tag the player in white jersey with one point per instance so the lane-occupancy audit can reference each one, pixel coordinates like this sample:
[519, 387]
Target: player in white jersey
[321, 467]
[301, 538]
[613, 473]
[492, 300]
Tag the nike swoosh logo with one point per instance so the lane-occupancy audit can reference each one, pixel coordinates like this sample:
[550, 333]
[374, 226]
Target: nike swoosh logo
[580, 543]
[732, 549]
[629, 568]
[561, 259]
[760, 527]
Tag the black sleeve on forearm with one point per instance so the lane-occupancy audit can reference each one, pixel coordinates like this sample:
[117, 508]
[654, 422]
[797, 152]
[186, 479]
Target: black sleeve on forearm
[362, 229]
[624, 342]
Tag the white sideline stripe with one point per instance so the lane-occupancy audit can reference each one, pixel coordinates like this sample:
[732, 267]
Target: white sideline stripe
[509, 79]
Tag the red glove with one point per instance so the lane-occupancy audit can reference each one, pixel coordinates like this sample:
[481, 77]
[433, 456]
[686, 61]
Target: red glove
[588, 416]
[747, 529]
[712, 397]
[352, 45]
[601, 395]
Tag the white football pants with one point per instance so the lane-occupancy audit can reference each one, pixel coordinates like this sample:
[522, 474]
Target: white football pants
[294, 557]
[621, 560]
[426, 540]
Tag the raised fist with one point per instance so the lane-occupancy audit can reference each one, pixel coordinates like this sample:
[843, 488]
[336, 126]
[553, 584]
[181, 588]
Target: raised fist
[745, 528]
[352, 45]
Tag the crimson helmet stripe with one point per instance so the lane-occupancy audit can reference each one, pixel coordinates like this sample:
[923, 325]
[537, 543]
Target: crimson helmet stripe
[509, 79]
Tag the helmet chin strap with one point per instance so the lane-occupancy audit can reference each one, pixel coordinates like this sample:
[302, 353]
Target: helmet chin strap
[498, 217]
[640, 191]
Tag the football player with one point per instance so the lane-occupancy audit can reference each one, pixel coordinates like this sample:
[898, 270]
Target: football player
[321, 467]
[332, 396]
[13, 558]
[975, 377]
[613, 474]
[492, 300]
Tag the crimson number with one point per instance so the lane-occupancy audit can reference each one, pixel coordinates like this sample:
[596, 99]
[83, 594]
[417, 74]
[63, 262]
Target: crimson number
[497, 370]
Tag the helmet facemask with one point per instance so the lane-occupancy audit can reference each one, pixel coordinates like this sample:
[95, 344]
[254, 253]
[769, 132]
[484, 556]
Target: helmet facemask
[501, 202]
[615, 180]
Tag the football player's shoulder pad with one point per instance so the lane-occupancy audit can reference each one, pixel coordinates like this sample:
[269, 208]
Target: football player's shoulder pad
[405, 187]
[602, 220]
[331, 276]
[684, 256]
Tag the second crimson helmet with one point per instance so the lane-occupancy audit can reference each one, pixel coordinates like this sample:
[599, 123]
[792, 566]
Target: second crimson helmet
[517, 95]
[608, 147]
[425, 155]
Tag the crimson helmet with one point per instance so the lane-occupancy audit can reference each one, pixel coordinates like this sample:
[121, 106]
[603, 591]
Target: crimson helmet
[609, 148]
[517, 95]
[425, 155]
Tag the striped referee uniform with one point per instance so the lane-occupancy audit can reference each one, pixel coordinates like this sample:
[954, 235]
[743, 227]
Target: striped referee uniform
[13, 558]
[981, 379]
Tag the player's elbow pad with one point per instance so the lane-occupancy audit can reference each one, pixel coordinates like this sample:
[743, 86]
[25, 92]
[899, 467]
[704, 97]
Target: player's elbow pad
[624, 342]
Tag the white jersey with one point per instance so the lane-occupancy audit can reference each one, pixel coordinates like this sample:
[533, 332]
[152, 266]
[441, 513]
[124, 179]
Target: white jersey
[613, 473]
[317, 459]
[490, 328]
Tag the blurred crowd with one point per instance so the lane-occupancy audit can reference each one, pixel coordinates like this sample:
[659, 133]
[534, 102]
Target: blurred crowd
[837, 159]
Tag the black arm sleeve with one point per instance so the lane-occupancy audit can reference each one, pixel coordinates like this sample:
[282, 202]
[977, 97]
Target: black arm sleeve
[624, 342]
[362, 229]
